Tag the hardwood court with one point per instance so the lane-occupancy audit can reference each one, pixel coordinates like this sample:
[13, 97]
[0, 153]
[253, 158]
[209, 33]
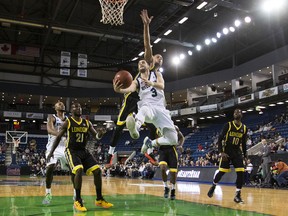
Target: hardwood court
[23, 196]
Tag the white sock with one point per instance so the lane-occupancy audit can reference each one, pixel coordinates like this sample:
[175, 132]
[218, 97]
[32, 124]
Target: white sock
[48, 190]
[166, 184]
[111, 150]
[173, 186]
[138, 124]
[237, 189]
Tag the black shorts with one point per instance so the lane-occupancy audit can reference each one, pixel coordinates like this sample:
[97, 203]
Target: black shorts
[168, 156]
[81, 159]
[129, 106]
[236, 160]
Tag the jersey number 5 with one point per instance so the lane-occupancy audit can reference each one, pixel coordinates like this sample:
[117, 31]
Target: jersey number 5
[154, 92]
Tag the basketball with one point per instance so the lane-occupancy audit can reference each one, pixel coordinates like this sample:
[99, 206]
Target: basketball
[124, 77]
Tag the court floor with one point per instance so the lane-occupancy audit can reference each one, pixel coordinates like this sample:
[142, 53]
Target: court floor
[23, 196]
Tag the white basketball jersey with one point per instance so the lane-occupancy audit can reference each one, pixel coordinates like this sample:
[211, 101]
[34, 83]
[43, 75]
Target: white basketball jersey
[57, 125]
[149, 94]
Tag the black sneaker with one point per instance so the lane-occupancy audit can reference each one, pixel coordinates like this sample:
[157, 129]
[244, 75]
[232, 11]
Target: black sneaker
[166, 192]
[172, 195]
[238, 198]
[211, 191]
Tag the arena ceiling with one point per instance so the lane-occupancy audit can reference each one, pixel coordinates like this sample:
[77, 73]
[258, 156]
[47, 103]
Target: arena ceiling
[74, 25]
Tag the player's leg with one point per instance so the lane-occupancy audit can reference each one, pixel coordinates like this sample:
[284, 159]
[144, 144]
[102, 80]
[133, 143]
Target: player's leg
[224, 167]
[152, 135]
[129, 106]
[169, 138]
[173, 165]
[161, 119]
[239, 168]
[49, 177]
[145, 114]
[163, 167]
[115, 137]
[91, 168]
[74, 159]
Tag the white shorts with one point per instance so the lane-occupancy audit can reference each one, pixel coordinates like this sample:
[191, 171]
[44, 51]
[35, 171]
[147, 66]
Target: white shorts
[58, 155]
[157, 115]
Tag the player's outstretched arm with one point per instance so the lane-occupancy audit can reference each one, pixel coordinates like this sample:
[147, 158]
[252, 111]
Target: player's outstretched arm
[50, 125]
[117, 87]
[148, 55]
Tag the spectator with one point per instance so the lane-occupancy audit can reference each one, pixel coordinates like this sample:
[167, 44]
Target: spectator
[282, 171]
[266, 151]
[248, 171]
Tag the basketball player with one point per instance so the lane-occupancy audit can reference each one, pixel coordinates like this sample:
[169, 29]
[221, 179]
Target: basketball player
[54, 123]
[151, 109]
[232, 148]
[78, 157]
[129, 105]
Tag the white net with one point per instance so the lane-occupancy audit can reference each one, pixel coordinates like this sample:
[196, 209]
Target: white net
[112, 11]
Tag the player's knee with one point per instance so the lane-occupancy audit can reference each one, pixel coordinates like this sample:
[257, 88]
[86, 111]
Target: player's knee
[79, 171]
[97, 172]
[163, 167]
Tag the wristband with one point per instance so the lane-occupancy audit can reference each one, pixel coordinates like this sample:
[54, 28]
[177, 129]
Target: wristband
[97, 137]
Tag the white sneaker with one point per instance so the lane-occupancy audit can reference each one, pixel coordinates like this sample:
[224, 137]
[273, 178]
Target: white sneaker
[147, 143]
[131, 125]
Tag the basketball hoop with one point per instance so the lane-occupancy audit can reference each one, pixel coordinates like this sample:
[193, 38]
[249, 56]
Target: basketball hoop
[112, 11]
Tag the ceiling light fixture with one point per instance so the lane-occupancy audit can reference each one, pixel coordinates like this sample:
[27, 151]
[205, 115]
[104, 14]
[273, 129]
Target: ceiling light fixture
[237, 23]
[183, 20]
[157, 40]
[202, 5]
[247, 19]
[214, 40]
[198, 47]
[225, 31]
[207, 41]
[167, 32]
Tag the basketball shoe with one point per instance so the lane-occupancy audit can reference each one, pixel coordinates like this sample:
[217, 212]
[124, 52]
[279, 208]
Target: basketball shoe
[131, 125]
[103, 203]
[78, 206]
[147, 143]
[172, 195]
[238, 198]
[47, 199]
[166, 192]
[211, 191]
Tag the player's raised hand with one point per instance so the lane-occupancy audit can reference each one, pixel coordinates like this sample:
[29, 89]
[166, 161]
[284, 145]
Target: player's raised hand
[145, 18]
[117, 85]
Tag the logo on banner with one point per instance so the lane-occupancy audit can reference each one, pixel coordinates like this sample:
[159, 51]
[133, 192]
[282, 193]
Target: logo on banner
[65, 62]
[246, 98]
[12, 114]
[188, 174]
[82, 63]
[35, 115]
[268, 92]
